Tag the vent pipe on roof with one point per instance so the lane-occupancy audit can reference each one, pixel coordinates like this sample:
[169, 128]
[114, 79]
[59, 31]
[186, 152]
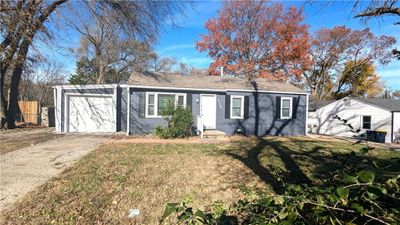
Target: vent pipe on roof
[221, 69]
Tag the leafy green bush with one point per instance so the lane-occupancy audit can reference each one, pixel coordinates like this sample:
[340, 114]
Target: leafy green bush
[358, 199]
[179, 120]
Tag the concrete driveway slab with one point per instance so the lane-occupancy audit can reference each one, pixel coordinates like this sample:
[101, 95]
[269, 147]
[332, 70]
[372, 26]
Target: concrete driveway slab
[23, 170]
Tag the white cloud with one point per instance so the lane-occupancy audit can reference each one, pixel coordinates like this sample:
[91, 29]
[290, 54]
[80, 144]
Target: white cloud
[197, 61]
[178, 47]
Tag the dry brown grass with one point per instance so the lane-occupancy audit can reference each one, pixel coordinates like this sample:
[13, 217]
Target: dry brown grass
[11, 140]
[106, 184]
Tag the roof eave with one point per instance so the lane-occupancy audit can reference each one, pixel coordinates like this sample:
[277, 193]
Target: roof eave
[215, 90]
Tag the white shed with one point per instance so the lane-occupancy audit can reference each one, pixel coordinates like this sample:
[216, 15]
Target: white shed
[362, 113]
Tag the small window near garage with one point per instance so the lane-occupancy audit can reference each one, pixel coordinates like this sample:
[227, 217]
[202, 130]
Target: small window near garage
[237, 107]
[286, 108]
[366, 122]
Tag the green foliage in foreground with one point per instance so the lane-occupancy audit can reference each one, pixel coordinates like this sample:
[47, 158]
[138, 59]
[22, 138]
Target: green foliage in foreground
[358, 195]
[179, 121]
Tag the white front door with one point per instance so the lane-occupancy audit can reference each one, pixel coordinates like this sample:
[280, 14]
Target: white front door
[208, 110]
[91, 114]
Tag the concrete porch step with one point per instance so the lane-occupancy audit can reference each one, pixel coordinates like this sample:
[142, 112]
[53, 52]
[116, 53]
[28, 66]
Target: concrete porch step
[214, 133]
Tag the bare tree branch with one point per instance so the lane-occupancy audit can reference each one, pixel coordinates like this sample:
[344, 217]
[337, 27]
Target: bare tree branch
[379, 12]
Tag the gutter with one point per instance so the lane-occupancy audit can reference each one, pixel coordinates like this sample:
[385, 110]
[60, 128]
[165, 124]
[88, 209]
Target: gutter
[215, 90]
[95, 86]
[392, 128]
[307, 98]
[89, 86]
[128, 109]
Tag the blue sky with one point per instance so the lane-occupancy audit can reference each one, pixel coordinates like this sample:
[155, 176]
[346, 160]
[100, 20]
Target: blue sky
[179, 42]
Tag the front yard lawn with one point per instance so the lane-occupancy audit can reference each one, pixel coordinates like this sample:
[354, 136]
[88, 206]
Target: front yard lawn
[110, 181]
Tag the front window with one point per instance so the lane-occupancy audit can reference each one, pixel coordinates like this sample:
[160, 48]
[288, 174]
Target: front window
[163, 101]
[237, 107]
[366, 122]
[156, 103]
[286, 108]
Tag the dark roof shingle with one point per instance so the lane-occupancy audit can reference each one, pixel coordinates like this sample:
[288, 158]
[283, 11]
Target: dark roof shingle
[208, 82]
[389, 104]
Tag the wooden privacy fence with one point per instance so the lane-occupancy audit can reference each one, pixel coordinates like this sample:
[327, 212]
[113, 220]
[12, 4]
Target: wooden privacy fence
[29, 112]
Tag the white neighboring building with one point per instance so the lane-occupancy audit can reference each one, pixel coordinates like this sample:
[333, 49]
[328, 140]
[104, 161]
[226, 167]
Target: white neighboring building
[362, 113]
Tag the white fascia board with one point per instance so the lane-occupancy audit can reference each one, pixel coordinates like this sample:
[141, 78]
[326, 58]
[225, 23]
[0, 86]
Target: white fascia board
[215, 90]
[89, 94]
[274, 92]
[90, 86]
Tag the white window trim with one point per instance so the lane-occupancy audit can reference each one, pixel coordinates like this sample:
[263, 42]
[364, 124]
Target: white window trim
[241, 107]
[362, 122]
[177, 98]
[156, 102]
[147, 104]
[290, 107]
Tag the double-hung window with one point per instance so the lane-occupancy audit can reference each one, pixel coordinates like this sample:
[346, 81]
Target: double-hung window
[156, 103]
[366, 122]
[286, 108]
[237, 107]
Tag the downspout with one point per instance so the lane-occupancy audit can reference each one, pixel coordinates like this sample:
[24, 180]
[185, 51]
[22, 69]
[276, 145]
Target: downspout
[55, 108]
[307, 97]
[115, 97]
[392, 129]
[128, 105]
[59, 109]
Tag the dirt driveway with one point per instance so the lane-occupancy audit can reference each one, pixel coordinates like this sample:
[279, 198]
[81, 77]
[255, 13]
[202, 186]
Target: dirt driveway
[14, 139]
[25, 169]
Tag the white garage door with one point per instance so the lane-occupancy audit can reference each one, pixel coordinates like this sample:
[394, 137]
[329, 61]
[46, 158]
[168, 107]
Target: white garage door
[91, 114]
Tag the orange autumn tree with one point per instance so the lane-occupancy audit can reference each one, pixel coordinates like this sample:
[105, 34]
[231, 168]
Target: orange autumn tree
[257, 39]
[332, 50]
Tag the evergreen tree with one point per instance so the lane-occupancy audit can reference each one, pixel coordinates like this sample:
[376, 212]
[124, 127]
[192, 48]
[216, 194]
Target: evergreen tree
[85, 73]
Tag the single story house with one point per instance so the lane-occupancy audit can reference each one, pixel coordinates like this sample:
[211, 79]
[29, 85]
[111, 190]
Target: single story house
[375, 114]
[226, 104]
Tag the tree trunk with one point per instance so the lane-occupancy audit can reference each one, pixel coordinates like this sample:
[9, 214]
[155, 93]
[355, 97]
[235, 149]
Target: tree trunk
[100, 66]
[3, 102]
[3, 111]
[13, 64]
[14, 87]
[100, 78]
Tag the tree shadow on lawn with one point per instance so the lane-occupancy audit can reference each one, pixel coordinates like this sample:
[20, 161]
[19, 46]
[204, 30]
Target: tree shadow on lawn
[295, 161]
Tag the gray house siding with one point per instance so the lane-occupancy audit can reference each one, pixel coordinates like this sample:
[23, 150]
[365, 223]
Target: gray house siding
[122, 103]
[138, 124]
[261, 119]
